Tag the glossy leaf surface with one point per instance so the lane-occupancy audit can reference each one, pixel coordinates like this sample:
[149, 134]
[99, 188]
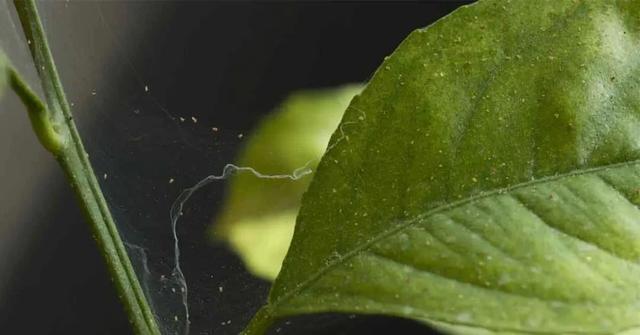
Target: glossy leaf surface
[486, 180]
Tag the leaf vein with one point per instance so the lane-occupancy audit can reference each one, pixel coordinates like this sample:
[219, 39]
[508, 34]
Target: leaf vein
[395, 229]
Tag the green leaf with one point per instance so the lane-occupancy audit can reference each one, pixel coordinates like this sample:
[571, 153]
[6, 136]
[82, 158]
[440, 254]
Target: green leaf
[259, 214]
[488, 180]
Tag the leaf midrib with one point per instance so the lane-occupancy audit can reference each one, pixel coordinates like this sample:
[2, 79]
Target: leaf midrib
[438, 209]
[431, 320]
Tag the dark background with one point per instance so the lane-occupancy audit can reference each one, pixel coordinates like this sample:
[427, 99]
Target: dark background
[226, 64]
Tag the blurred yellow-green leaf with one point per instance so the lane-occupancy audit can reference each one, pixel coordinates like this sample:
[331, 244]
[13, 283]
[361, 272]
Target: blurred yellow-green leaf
[258, 215]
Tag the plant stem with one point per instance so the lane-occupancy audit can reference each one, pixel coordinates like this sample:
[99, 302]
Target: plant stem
[56, 122]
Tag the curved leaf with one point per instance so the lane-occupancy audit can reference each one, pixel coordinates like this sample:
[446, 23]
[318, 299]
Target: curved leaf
[259, 214]
[487, 180]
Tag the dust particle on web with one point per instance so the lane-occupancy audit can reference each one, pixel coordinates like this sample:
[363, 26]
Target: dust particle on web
[181, 119]
[146, 88]
[241, 135]
[171, 180]
[193, 118]
[215, 129]
[220, 289]
[104, 176]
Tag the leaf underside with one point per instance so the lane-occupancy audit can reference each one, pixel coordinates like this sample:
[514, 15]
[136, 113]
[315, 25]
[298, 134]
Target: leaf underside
[487, 180]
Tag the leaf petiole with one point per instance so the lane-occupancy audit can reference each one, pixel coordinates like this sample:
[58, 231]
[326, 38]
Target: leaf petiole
[38, 114]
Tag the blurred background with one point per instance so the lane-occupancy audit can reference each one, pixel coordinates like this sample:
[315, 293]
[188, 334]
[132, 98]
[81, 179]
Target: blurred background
[131, 71]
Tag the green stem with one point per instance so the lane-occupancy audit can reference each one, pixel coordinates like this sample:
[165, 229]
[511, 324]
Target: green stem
[64, 141]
